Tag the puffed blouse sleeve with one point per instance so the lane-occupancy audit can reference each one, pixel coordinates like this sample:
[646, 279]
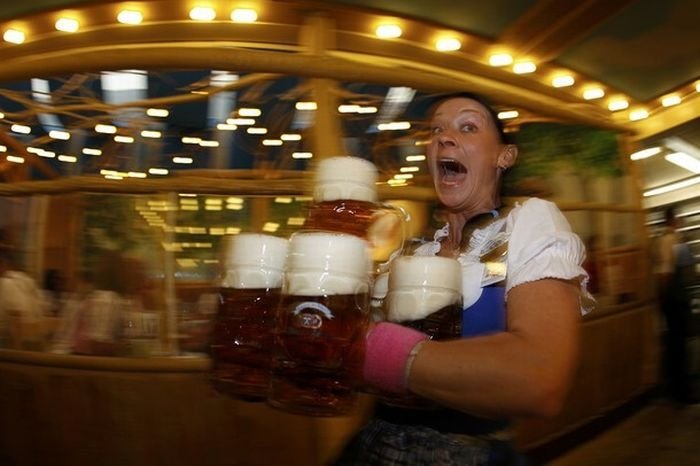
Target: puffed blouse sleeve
[542, 245]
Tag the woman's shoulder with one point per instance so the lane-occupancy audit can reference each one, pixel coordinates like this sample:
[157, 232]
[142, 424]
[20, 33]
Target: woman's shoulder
[538, 213]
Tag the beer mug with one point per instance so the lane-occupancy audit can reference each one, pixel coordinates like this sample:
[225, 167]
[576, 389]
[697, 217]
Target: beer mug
[321, 324]
[345, 200]
[241, 345]
[425, 293]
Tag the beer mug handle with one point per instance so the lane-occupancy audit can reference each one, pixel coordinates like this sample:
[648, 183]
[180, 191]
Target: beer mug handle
[387, 234]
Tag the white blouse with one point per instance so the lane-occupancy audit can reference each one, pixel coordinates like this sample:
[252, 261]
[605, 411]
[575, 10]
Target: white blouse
[533, 241]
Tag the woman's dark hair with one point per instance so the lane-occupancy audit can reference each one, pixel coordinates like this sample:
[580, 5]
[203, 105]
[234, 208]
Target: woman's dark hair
[483, 101]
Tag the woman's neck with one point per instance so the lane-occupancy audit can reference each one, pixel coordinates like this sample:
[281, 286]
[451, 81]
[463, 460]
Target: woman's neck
[458, 223]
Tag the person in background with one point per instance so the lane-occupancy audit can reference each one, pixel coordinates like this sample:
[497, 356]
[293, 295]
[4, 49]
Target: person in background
[520, 336]
[674, 271]
[21, 310]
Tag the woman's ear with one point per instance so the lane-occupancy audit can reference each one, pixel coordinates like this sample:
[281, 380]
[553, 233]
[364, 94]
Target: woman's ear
[508, 156]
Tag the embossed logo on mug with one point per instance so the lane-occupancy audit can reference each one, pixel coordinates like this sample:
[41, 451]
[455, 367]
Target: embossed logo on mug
[305, 317]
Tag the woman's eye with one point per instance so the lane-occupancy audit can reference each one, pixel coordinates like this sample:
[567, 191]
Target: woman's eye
[435, 130]
[468, 128]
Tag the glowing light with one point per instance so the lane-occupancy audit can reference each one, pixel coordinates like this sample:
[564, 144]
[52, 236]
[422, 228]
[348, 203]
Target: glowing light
[226, 127]
[348, 108]
[20, 129]
[191, 140]
[415, 158]
[62, 135]
[271, 227]
[105, 129]
[508, 115]
[67, 158]
[208, 143]
[388, 31]
[240, 121]
[306, 106]
[672, 187]
[500, 59]
[618, 104]
[15, 159]
[409, 169]
[670, 100]
[593, 93]
[272, 142]
[645, 153]
[291, 137]
[394, 126]
[123, 139]
[157, 112]
[684, 160]
[150, 134]
[563, 81]
[67, 25]
[200, 13]
[283, 200]
[302, 155]
[130, 17]
[14, 36]
[640, 114]
[244, 15]
[183, 160]
[249, 112]
[524, 67]
[90, 151]
[254, 130]
[448, 44]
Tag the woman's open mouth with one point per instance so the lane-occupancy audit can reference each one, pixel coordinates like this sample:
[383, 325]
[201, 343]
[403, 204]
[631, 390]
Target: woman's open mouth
[451, 171]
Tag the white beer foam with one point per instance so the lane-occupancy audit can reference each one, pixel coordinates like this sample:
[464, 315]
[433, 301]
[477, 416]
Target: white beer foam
[320, 283]
[333, 253]
[254, 249]
[421, 285]
[345, 177]
[418, 303]
[247, 277]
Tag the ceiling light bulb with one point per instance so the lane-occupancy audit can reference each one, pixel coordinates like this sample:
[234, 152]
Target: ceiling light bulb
[684, 160]
[67, 25]
[524, 67]
[563, 81]
[388, 31]
[20, 129]
[249, 112]
[507, 115]
[130, 17]
[14, 36]
[57, 134]
[448, 44]
[639, 114]
[201, 13]
[593, 93]
[244, 15]
[645, 153]
[671, 100]
[618, 104]
[157, 112]
[500, 59]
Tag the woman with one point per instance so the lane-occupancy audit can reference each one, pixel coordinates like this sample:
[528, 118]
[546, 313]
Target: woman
[524, 291]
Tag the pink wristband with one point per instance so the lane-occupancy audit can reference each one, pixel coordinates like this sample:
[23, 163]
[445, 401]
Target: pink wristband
[387, 352]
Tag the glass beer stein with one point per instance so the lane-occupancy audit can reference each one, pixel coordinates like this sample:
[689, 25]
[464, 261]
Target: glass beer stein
[345, 200]
[321, 324]
[425, 293]
[241, 344]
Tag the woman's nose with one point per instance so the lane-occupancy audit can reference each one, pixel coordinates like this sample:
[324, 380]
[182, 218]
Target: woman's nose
[446, 139]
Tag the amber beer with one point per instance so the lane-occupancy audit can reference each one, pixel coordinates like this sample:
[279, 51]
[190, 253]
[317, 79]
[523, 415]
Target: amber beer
[242, 338]
[320, 353]
[321, 324]
[345, 201]
[242, 341]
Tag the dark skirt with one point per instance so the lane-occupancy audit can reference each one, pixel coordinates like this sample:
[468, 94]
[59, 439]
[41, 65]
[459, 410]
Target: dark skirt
[381, 443]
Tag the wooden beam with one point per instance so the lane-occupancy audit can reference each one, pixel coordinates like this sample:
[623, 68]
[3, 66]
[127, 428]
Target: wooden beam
[546, 30]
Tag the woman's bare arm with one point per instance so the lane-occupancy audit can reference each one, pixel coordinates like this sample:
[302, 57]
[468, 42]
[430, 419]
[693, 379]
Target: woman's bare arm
[525, 371]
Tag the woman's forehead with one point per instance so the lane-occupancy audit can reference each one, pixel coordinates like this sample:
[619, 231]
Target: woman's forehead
[460, 105]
